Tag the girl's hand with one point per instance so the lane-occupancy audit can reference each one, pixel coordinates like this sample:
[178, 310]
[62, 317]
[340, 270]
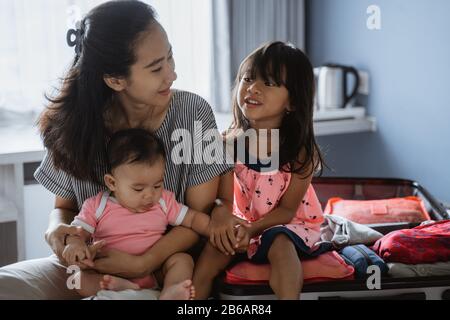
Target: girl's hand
[222, 231]
[55, 238]
[243, 236]
[111, 261]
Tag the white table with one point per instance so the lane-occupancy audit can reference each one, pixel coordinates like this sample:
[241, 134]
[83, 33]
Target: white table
[19, 144]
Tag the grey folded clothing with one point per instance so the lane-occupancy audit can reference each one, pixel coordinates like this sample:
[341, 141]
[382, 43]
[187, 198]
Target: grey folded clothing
[144, 294]
[342, 232]
[401, 270]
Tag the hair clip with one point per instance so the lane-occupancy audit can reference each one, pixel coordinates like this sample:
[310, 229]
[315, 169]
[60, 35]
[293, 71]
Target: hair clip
[74, 37]
[76, 42]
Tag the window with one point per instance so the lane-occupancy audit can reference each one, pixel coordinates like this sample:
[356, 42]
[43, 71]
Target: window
[34, 53]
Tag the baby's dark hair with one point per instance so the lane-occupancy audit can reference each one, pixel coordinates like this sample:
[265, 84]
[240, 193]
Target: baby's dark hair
[134, 145]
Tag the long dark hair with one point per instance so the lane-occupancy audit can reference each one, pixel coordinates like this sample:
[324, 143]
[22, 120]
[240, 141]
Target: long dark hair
[73, 125]
[289, 66]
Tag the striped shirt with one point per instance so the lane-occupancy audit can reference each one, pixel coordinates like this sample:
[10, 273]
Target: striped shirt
[184, 110]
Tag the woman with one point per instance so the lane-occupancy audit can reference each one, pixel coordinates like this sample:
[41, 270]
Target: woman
[121, 78]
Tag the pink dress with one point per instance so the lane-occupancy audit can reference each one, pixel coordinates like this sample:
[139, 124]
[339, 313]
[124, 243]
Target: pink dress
[258, 193]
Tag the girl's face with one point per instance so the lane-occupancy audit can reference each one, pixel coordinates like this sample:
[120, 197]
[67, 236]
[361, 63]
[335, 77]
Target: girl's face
[263, 103]
[137, 186]
[153, 74]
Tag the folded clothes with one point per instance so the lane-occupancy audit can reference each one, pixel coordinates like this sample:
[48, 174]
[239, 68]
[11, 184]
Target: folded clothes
[408, 209]
[342, 232]
[402, 270]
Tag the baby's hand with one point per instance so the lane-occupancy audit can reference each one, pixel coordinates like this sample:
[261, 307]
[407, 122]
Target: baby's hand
[75, 252]
[94, 249]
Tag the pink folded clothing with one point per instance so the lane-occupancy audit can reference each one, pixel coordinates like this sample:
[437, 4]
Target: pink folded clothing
[326, 267]
[407, 209]
[424, 244]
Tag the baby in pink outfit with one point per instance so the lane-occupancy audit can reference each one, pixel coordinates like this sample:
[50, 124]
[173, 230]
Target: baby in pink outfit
[132, 216]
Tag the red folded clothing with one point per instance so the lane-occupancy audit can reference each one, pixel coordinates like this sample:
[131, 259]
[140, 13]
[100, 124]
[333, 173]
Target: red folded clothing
[407, 209]
[424, 244]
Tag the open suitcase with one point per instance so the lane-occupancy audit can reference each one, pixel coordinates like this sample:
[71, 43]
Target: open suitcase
[417, 288]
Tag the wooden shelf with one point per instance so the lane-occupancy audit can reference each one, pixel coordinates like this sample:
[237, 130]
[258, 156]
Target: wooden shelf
[344, 126]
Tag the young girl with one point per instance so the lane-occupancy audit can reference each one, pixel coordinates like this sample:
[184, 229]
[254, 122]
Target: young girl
[274, 91]
[132, 216]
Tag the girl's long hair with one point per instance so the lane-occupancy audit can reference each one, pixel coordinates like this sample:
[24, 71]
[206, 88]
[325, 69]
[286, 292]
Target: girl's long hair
[289, 66]
[73, 125]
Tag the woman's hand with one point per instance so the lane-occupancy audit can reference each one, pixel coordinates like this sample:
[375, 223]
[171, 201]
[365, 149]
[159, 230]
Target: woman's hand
[222, 230]
[55, 238]
[111, 261]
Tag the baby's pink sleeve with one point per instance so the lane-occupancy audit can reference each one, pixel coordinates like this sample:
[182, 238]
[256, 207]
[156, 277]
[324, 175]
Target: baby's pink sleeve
[175, 211]
[86, 218]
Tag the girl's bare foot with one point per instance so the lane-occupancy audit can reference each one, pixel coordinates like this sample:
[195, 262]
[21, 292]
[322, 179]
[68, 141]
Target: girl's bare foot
[117, 284]
[180, 291]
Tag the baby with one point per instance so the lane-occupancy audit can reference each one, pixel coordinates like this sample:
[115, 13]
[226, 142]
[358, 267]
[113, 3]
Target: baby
[132, 216]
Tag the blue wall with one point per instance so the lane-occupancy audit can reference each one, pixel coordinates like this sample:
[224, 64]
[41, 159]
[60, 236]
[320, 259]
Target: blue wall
[409, 63]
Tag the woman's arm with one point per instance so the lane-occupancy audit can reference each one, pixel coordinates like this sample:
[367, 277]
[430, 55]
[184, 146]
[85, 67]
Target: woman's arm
[179, 239]
[59, 225]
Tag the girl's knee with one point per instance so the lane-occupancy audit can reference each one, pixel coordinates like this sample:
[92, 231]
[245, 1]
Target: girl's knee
[282, 240]
[281, 247]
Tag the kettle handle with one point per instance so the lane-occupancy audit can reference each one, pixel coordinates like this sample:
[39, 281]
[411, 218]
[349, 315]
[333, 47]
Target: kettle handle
[353, 71]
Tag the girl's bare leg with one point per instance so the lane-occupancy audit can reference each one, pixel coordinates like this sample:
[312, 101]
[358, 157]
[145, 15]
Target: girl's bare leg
[210, 264]
[286, 276]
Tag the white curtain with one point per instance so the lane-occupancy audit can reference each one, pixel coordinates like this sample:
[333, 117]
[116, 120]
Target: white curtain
[254, 22]
[34, 53]
[221, 55]
[188, 24]
[33, 50]
[209, 38]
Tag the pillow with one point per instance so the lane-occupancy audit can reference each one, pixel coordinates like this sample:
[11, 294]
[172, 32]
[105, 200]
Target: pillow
[325, 267]
[409, 209]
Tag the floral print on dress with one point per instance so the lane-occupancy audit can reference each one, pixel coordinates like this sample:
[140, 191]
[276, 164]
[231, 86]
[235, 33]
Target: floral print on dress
[258, 193]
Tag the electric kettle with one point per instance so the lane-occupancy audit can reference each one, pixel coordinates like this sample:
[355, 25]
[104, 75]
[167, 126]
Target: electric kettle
[332, 91]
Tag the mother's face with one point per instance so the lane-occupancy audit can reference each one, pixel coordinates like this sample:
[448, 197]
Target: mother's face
[153, 73]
